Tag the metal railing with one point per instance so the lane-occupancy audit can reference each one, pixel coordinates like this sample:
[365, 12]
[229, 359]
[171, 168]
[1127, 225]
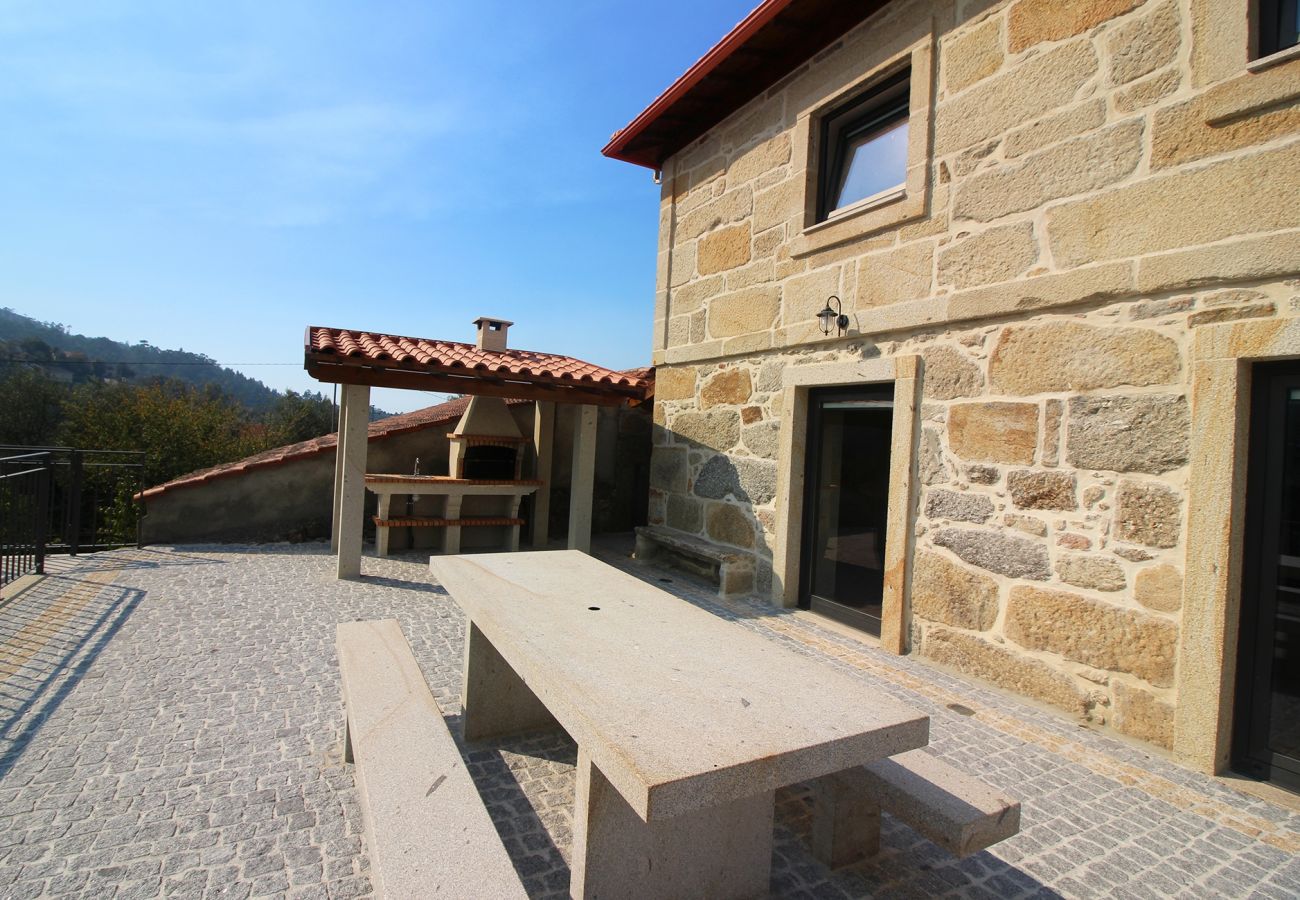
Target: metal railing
[89, 501]
[24, 512]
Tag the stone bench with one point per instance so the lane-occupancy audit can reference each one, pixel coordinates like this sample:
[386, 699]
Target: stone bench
[959, 813]
[426, 827]
[732, 572]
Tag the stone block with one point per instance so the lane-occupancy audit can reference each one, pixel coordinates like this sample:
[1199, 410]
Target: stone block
[1182, 133]
[1043, 292]
[950, 374]
[751, 414]
[1094, 572]
[999, 103]
[1129, 434]
[1077, 166]
[744, 311]
[930, 464]
[778, 204]
[732, 206]
[894, 276]
[980, 474]
[998, 254]
[1151, 215]
[760, 159]
[1028, 677]
[747, 480]
[1054, 128]
[1160, 588]
[1143, 45]
[1053, 410]
[1094, 633]
[803, 296]
[1033, 22]
[726, 248]
[685, 514]
[1232, 314]
[945, 592]
[1267, 256]
[690, 297]
[728, 387]
[997, 552]
[675, 383]
[717, 429]
[1149, 513]
[1072, 541]
[1042, 490]
[763, 439]
[994, 432]
[682, 264]
[728, 524]
[1027, 524]
[769, 375]
[1149, 91]
[1060, 355]
[1142, 715]
[960, 506]
[669, 469]
[972, 55]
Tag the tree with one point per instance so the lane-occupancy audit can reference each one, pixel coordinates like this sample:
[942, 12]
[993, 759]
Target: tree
[30, 408]
[299, 417]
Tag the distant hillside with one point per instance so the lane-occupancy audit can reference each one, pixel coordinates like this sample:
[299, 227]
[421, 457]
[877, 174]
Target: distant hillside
[78, 358]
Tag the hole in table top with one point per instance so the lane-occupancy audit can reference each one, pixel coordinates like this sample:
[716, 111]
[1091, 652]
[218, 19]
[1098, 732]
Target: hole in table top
[961, 710]
[594, 608]
[666, 580]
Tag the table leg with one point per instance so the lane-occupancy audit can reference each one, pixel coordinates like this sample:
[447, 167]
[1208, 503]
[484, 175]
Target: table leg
[846, 819]
[494, 700]
[722, 852]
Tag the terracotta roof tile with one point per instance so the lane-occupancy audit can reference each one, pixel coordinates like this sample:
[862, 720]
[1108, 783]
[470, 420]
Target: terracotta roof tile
[364, 348]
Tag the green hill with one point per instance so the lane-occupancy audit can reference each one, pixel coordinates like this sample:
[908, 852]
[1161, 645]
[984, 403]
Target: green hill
[76, 358]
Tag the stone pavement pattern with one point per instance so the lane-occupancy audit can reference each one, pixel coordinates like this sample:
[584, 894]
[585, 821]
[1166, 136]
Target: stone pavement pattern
[170, 724]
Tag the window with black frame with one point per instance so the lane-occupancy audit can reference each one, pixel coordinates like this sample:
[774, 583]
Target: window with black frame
[864, 148]
[1278, 26]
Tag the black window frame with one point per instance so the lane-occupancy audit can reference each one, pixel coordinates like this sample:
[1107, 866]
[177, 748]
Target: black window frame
[1275, 26]
[880, 107]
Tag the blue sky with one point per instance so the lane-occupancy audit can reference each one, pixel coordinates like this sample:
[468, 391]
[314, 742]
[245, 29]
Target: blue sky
[218, 176]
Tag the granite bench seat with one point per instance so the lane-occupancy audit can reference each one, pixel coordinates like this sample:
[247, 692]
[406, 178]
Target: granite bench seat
[957, 812]
[426, 827]
[730, 570]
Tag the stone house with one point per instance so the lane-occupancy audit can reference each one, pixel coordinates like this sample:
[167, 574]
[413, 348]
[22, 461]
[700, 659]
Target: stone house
[1064, 239]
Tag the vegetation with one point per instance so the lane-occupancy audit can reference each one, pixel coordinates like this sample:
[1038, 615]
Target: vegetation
[182, 409]
[180, 427]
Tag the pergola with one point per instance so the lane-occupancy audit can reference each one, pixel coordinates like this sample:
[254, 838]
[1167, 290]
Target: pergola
[360, 360]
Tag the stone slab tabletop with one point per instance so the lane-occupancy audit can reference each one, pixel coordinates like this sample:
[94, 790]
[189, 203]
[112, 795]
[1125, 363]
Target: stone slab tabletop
[679, 709]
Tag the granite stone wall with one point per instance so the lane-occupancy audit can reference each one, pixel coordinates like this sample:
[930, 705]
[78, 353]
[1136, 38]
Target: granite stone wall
[1096, 190]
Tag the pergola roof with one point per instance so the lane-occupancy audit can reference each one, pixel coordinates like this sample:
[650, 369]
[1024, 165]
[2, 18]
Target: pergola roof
[770, 43]
[343, 356]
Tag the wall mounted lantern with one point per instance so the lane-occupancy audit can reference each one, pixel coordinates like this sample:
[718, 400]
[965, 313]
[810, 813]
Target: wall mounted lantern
[833, 318]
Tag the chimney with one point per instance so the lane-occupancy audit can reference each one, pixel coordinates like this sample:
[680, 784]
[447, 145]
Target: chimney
[491, 333]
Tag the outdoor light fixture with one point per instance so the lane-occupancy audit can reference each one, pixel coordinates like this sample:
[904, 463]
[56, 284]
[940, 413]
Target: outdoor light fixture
[833, 317]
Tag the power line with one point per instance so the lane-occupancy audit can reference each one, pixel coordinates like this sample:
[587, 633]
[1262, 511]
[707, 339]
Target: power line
[105, 362]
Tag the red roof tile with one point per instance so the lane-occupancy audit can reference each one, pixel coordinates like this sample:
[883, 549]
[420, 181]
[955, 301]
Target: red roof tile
[340, 346]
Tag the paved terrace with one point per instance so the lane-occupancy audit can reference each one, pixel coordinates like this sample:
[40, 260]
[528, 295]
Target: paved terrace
[170, 724]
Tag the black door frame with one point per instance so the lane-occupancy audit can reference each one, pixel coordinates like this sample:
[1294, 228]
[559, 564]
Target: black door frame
[878, 392]
[1255, 645]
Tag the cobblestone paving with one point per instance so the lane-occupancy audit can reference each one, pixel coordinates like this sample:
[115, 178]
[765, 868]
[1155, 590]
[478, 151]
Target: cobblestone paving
[170, 724]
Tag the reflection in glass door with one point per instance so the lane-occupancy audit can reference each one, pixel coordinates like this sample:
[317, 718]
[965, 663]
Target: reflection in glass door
[847, 495]
[1267, 712]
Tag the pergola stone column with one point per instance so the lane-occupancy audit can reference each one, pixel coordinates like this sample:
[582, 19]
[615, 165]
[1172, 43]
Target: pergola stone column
[582, 480]
[543, 453]
[350, 475]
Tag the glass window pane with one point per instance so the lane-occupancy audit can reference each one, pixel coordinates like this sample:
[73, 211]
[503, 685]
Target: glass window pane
[873, 163]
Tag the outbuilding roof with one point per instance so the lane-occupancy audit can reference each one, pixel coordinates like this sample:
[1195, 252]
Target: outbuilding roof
[769, 43]
[345, 356]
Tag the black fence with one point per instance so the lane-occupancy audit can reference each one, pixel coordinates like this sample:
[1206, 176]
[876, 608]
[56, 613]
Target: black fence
[62, 500]
[24, 503]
